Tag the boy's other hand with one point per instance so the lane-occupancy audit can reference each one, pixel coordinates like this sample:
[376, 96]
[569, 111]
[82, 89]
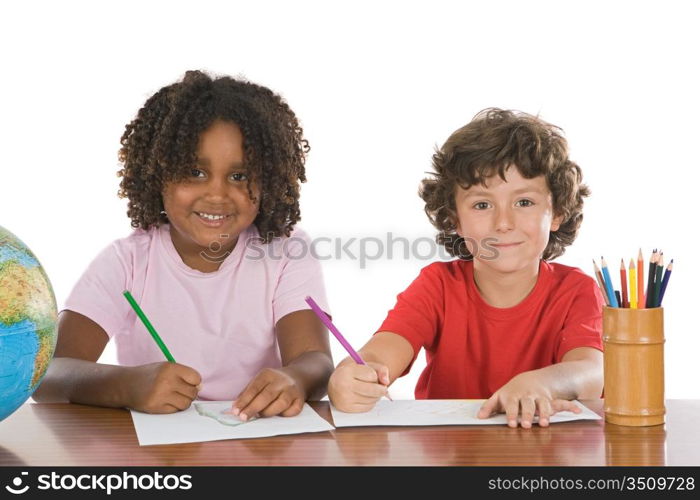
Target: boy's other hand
[526, 395]
[271, 392]
[162, 387]
[355, 388]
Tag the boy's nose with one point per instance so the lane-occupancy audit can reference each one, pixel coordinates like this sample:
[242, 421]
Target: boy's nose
[504, 220]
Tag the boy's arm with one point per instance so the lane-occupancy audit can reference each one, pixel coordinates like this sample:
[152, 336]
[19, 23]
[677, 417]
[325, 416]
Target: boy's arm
[356, 388]
[578, 376]
[387, 349]
[75, 376]
[550, 389]
[306, 365]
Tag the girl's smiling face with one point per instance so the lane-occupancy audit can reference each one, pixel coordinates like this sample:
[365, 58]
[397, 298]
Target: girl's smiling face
[506, 224]
[209, 209]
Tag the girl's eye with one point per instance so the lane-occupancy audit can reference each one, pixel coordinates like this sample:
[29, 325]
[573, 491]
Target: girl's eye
[239, 176]
[195, 172]
[482, 205]
[524, 203]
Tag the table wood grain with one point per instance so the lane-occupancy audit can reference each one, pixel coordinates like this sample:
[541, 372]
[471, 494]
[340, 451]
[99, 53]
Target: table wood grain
[76, 435]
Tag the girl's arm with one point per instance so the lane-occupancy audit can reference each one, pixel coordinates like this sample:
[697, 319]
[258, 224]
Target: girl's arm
[306, 366]
[75, 376]
[306, 354]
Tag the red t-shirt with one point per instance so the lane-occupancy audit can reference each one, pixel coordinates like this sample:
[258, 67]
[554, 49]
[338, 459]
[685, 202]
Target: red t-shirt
[473, 348]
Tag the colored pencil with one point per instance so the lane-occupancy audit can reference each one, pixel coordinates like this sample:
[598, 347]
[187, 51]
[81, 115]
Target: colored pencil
[601, 285]
[149, 327]
[608, 283]
[633, 285]
[667, 276]
[640, 280]
[623, 283]
[650, 280]
[658, 278]
[618, 297]
[329, 324]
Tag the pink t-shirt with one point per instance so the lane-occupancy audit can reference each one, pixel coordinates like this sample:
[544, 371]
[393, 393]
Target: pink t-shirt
[222, 324]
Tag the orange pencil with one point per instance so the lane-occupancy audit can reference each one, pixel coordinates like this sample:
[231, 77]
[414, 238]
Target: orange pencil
[641, 299]
[623, 282]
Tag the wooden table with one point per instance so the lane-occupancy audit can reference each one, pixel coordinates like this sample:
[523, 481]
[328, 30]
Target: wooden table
[66, 434]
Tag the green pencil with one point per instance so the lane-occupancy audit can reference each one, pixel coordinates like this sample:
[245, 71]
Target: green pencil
[148, 326]
[657, 280]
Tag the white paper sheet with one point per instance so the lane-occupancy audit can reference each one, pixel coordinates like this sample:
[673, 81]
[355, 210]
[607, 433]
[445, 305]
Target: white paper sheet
[189, 426]
[437, 412]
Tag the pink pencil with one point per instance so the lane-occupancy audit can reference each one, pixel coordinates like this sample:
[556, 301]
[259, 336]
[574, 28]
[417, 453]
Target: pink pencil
[329, 324]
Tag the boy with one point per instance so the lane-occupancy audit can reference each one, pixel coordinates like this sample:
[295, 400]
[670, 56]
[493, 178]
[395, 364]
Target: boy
[500, 323]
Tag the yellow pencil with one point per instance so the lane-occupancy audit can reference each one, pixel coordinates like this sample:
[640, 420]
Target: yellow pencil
[633, 285]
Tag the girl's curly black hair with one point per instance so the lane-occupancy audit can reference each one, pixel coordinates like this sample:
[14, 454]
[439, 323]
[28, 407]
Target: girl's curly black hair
[159, 146]
[492, 142]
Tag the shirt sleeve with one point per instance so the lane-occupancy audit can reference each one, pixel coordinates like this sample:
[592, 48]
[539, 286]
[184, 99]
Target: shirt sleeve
[98, 293]
[417, 315]
[583, 326]
[301, 276]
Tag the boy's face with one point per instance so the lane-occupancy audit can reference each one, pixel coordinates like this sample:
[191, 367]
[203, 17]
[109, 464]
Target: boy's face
[211, 207]
[506, 225]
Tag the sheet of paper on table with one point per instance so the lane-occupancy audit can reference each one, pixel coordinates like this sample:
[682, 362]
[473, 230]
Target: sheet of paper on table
[210, 421]
[437, 412]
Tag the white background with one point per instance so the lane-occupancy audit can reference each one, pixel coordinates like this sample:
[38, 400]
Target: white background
[376, 85]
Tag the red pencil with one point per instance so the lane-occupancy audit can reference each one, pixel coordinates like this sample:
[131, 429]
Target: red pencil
[601, 284]
[623, 280]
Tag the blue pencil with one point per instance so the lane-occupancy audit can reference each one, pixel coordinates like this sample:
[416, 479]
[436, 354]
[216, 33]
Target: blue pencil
[608, 283]
[650, 280]
[667, 275]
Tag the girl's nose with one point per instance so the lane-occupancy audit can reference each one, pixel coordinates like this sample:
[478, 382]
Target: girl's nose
[217, 188]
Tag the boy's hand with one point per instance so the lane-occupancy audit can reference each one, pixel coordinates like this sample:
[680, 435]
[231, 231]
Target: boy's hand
[525, 395]
[355, 388]
[162, 387]
[271, 392]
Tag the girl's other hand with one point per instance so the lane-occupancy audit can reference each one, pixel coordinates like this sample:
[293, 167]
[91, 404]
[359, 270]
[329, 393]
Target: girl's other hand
[271, 392]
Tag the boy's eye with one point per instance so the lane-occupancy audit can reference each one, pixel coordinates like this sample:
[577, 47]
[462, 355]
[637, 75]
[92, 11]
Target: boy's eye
[482, 205]
[239, 176]
[524, 203]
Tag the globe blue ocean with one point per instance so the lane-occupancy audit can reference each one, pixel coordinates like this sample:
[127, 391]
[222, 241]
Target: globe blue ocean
[19, 346]
[27, 323]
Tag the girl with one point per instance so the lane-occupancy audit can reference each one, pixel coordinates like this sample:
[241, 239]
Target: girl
[211, 170]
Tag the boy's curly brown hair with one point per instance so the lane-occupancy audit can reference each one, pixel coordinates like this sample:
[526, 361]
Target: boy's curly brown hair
[492, 142]
[159, 146]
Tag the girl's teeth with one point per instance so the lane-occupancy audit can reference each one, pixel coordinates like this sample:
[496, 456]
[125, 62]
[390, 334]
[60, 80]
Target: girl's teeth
[212, 217]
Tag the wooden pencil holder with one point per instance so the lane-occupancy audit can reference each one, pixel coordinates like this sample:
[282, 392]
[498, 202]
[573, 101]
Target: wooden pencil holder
[634, 366]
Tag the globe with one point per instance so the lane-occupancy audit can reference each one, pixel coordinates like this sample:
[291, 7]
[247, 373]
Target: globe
[27, 323]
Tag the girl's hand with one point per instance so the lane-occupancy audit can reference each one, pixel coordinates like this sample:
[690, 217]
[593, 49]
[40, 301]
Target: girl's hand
[526, 395]
[161, 387]
[271, 392]
[355, 388]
